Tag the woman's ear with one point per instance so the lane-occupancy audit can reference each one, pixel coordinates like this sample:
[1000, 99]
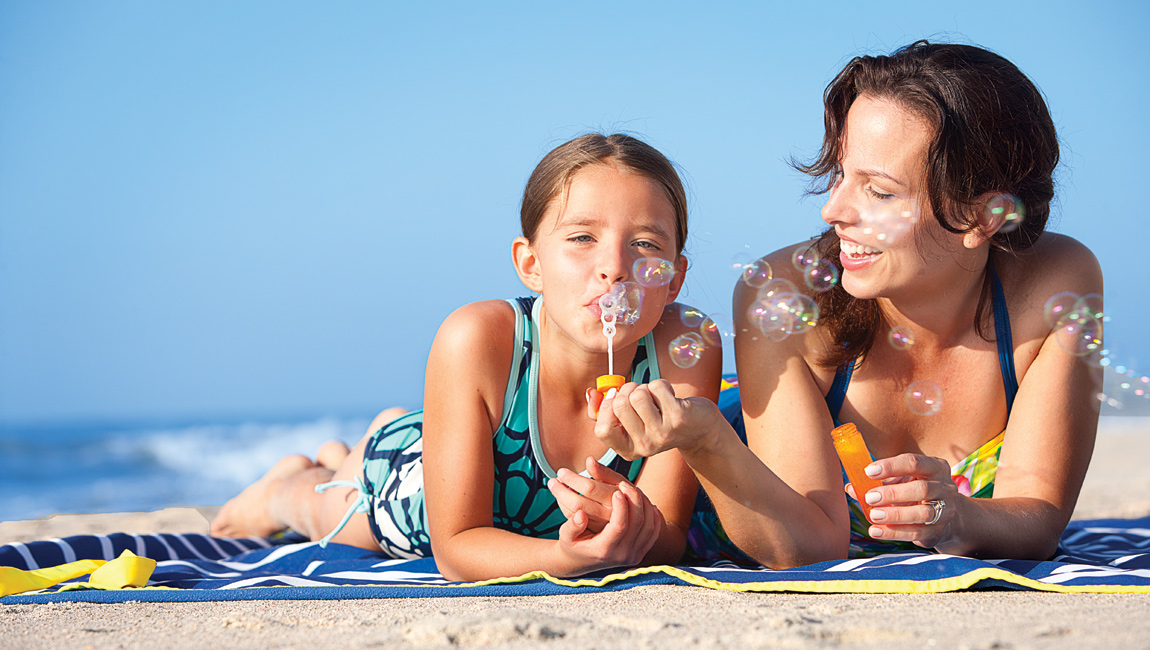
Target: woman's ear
[993, 211]
[527, 264]
[679, 278]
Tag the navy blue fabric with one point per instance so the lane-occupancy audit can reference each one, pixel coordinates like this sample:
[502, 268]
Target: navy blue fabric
[1100, 555]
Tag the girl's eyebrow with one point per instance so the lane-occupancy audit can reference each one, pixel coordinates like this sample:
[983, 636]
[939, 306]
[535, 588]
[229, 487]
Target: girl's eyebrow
[583, 221]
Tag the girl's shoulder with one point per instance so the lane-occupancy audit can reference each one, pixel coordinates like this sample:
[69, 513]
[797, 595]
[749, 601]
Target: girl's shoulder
[689, 345]
[478, 334]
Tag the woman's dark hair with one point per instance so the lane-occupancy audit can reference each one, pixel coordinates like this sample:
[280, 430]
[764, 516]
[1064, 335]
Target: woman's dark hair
[553, 174]
[992, 132]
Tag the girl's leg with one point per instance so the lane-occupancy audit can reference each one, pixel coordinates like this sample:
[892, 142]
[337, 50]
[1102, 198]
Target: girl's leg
[332, 454]
[337, 500]
[250, 513]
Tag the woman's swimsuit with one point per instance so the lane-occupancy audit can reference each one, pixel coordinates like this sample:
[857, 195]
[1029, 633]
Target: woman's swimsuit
[391, 490]
[974, 475]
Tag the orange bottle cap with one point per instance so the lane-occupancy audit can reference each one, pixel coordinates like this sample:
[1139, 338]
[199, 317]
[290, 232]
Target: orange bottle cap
[604, 383]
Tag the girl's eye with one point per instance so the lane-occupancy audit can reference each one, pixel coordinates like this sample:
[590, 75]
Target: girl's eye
[581, 239]
[647, 244]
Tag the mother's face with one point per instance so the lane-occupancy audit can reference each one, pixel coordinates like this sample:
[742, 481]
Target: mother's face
[878, 198]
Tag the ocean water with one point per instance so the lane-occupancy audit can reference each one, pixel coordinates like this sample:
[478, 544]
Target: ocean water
[85, 469]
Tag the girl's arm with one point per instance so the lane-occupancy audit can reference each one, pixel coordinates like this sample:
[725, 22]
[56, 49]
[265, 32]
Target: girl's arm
[1048, 442]
[463, 404]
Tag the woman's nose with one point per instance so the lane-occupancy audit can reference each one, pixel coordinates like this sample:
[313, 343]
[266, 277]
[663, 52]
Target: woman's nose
[837, 209]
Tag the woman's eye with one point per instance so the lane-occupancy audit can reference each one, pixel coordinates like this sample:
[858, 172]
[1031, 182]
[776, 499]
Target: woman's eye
[878, 195]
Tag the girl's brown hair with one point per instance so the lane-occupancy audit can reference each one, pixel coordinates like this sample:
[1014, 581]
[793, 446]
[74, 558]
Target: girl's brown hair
[992, 133]
[555, 171]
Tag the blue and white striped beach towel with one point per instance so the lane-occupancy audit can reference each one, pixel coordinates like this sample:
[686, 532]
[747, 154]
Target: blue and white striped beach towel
[1101, 556]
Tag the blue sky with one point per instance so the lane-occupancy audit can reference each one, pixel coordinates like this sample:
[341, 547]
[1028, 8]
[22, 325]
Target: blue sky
[232, 209]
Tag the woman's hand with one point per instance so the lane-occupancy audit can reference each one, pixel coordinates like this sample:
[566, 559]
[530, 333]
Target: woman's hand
[918, 501]
[592, 495]
[634, 526]
[644, 420]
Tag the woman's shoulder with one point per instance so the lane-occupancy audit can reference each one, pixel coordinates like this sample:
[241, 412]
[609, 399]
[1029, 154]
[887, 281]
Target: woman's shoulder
[779, 264]
[1055, 263]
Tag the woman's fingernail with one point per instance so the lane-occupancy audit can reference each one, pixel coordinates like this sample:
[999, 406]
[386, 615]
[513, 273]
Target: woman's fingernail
[588, 395]
[875, 531]
[873, 497]
[872, 470]
[878, 515]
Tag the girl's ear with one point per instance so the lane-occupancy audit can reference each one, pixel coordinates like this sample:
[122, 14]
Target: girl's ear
[990, 209]
[677, 281]
[527, 264]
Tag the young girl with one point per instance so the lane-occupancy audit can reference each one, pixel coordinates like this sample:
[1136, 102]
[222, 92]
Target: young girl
[959, 338]
[484, 478]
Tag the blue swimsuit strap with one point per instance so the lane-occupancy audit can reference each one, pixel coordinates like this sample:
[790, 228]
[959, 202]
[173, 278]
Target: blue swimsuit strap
[838, 390]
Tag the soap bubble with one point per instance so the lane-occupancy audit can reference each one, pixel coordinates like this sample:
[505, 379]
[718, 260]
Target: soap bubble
[774, 287]
[652, 271]
[804, 257]
[1090, 304]
[1010, 207]
[686, 350]
[691, 317]
[741, 259]
[624, 301]
[900, 337]
[757, 273]
[1078, 333]
[783, 313]
[924, 398]
[715, 328]
[821, 275]
[1059, 305]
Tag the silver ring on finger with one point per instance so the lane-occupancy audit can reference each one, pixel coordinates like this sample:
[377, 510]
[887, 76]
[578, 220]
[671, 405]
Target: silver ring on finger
[938, 506]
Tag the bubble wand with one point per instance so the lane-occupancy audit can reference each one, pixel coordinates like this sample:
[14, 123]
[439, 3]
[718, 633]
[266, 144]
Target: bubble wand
[609, 383]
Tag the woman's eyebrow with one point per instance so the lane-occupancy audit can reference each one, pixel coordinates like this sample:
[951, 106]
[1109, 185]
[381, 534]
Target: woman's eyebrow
[871, 173]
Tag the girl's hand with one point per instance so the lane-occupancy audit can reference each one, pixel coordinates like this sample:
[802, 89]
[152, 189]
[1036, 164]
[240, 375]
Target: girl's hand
[918, 501]
[644, 420]
[632, 530]
[593, 495]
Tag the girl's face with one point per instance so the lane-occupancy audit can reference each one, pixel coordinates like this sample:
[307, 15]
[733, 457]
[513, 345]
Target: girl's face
[889, 239]
[589, 238]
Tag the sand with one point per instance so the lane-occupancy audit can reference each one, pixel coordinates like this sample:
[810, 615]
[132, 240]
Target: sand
[1118, 485]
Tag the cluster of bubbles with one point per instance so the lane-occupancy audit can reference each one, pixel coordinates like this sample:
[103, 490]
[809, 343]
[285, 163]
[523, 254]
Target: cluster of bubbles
[1125, 384]
[780, 309]
[622, 303]
[889, 220]
[706, 332]
[1076, 322]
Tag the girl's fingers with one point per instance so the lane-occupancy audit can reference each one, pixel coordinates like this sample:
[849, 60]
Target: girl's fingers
[586, 487]
[594, 400]
[570, 501]
[602, 473]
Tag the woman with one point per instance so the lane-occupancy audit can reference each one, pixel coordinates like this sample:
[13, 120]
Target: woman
[929, 157]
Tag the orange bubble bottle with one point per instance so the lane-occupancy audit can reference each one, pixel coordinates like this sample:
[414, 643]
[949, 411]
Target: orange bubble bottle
[855, 457]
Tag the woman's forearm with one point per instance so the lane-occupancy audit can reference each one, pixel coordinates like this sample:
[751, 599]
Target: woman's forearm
[765, 517]
[1009, 527]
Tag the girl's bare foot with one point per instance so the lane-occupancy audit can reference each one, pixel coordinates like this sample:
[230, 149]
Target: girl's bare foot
[331, 454]
[247, 513]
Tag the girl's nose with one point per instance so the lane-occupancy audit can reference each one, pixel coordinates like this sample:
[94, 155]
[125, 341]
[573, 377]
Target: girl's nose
[614, 266]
